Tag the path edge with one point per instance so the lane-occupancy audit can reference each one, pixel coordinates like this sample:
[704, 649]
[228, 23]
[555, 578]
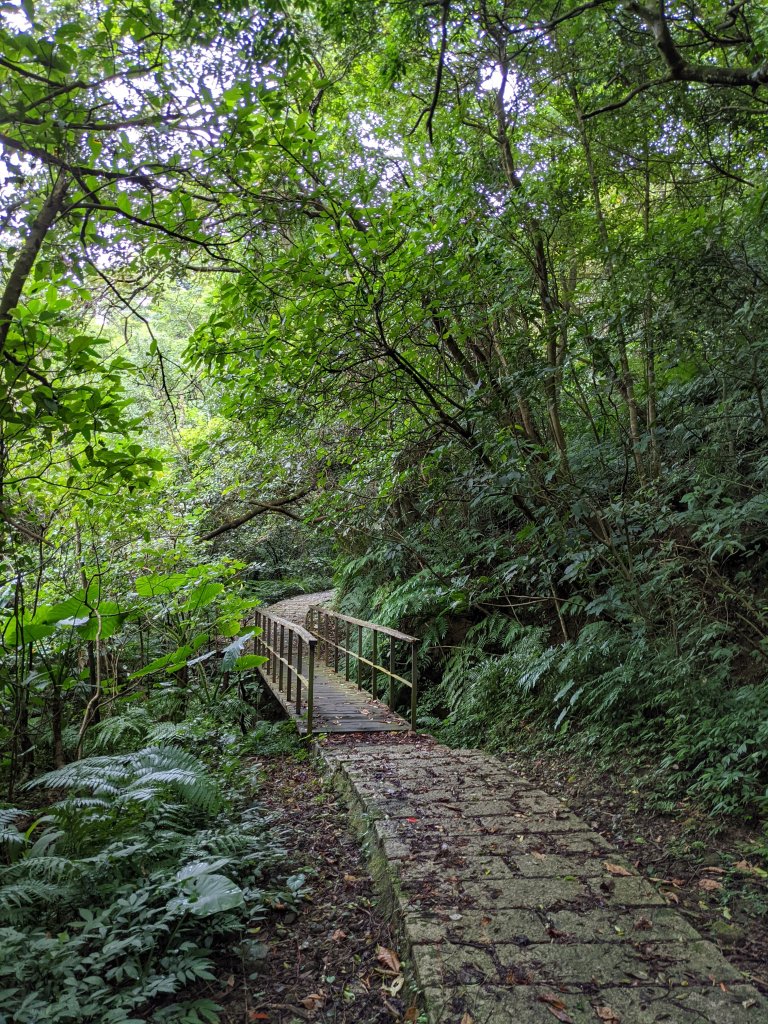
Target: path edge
[362, 816]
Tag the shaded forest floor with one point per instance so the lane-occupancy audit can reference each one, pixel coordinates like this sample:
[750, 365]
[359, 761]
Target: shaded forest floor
[714, 872]
[334, 960]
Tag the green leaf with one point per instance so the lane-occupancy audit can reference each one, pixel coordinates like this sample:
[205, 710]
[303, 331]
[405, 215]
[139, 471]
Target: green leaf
[207, 894]
[247, 661]
[202, 596]
[233, 651]
[152, 586]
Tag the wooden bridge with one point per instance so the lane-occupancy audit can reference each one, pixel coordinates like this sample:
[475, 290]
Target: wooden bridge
[331, 673]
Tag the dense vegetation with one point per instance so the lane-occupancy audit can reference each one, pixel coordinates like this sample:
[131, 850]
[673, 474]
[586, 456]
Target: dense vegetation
[463, 302]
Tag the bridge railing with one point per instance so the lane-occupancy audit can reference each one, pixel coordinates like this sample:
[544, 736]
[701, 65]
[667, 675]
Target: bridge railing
[290, 653]
[342, 644]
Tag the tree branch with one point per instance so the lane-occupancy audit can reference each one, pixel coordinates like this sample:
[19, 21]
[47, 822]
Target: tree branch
[440, 66]
[29, 250]
[680, 69]
[261, 508]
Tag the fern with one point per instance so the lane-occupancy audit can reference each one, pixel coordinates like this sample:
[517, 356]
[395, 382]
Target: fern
[156, 870]
[12, 840]
[137, 777]
[132, 725]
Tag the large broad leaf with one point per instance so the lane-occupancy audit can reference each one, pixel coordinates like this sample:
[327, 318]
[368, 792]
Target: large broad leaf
[171, 662]
[234, 650]
[66, 611]
[206, 894]
[250, 661]
[104, 623]
[201, 867]
[202, 596]
[19, 633]
[151, 586]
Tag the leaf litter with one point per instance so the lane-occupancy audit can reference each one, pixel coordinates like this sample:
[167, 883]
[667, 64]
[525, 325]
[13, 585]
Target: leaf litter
[332, 958]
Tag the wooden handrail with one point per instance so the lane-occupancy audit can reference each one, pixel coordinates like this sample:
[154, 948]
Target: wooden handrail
[305, 635]
[394, 633]
[283, 642]
[319, 619]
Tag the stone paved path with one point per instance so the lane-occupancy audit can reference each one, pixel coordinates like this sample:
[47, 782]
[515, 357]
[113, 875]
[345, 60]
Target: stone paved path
[512, 909]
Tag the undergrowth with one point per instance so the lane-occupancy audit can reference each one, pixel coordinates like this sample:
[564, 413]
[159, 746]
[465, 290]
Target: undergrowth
[116, 897]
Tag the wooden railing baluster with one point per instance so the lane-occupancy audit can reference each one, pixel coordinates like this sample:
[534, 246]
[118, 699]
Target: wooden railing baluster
[332, 626]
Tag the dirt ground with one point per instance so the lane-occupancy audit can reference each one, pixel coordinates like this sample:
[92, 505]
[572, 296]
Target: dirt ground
[335, 960]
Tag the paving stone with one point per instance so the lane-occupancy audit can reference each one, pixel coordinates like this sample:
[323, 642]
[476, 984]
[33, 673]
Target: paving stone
[521, 927]
[525, 824]
[627, 892]
[618, 925]
[446, 964]
[502, 893]
[614, 964]
[646, 1005]
[544, 865]
[471, 868]
[507, 909]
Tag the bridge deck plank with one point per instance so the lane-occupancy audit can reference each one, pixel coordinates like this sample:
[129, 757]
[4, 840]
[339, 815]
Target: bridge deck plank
[339, 706]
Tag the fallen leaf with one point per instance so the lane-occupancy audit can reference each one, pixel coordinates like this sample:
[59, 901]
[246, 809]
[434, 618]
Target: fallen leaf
[617, 869]
[254, 1015]
[561, 1015]
[552, 1001]
[709, 884]
[715, 871]
[467, 1019]
[313, 1001]
[643, 924]
[389, 958]
[411, 1015]
[607, 1014]
[671, 897]
[339, 935]
[557, 1008]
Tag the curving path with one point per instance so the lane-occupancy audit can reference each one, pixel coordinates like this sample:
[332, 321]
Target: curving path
[339, 706]
[512, 910]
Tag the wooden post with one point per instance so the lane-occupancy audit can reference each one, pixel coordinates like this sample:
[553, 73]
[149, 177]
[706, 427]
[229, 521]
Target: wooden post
[375, 660]
[298, 676]
[347, 643]
[414, 684]
[290, 663]
[336, 645]
[310, 687]
[359, 656]
[280, 661]
[391, 701]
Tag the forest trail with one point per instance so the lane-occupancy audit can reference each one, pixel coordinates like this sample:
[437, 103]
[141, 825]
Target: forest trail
[339, 706]
[511, 908]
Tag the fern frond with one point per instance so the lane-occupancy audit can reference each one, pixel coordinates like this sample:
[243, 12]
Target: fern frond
[139, 777]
